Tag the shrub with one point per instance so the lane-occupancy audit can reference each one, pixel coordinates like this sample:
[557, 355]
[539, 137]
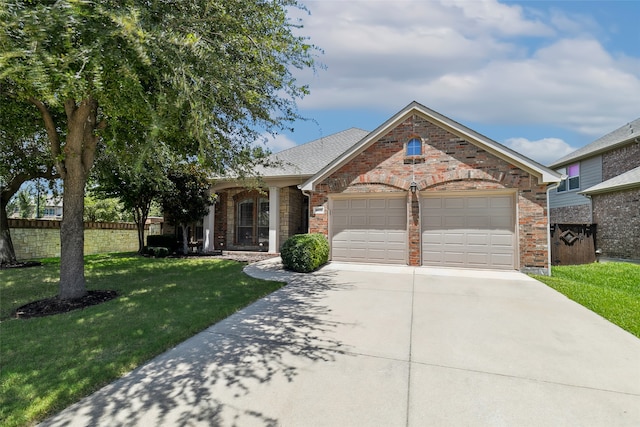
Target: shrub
[305, 252]
[158, 252]
[168, 241]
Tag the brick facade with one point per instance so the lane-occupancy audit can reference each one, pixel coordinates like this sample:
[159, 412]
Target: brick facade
[578, 214]
[448, 163]
[618, 217]
[621, 160]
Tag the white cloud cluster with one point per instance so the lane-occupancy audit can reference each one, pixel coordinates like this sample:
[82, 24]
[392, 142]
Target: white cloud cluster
[544, 151]
[278, 142]
[478, 61]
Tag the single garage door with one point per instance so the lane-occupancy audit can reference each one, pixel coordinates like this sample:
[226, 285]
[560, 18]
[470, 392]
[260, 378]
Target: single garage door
[372, 229]
[469, 231]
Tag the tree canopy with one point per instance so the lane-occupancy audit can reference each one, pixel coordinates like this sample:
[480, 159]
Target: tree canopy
[206, 77]
[186, 199]
[24, 155]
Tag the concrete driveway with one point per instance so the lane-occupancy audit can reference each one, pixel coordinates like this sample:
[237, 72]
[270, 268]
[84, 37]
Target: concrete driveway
[355, 345]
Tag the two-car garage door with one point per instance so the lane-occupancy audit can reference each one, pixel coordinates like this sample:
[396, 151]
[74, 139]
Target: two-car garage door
[458, 230]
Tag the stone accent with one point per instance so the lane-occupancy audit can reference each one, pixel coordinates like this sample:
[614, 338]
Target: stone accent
[618, 218]
[41, 239]
[450, 164]
[621, 160]
[291, 214]
[578, 214]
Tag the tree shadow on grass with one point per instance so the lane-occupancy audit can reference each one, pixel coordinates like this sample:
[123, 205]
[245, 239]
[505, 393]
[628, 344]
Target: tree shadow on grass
[228, 375]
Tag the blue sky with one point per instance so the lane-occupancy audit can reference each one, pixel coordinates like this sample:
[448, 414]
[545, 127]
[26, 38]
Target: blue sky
[542, 77]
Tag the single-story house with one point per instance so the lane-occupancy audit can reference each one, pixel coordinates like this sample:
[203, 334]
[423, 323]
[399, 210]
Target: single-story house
[421, 189]
[603, 188]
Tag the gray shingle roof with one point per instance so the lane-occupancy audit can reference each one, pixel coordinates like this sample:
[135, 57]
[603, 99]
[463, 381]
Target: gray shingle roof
[630, 179]
[309, 158]
[624, 134]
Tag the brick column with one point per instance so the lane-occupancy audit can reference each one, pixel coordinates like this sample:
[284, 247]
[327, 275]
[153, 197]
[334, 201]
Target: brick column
[414, 229]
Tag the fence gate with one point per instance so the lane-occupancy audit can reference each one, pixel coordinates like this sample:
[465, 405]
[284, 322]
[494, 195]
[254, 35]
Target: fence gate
[573, 244]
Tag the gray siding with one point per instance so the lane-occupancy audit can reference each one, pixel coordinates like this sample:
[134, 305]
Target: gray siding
[590, 175]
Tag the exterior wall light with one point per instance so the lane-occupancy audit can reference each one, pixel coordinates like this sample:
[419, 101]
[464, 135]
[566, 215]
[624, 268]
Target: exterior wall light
[413, 187]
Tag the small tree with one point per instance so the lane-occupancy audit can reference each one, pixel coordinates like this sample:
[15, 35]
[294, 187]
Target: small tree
[187, 199]
[136, 180]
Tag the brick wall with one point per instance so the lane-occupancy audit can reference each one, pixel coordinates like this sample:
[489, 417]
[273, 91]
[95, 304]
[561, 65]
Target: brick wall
[448, 163]
[621, 160]
[291, 205]
[579, 214]
[41, 239]
[618, 218]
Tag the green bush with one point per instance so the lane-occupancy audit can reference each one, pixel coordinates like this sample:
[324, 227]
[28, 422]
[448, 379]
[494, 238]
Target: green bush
[168, 241]
[305, 252]
[158, 252]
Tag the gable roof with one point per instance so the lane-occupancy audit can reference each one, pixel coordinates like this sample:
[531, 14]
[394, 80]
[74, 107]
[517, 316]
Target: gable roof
[545, 174]
[307, 159]
[627, 180]
[621, 136]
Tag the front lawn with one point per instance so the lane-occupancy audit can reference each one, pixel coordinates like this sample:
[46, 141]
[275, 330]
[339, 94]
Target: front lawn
[610, 289]
[48, 363]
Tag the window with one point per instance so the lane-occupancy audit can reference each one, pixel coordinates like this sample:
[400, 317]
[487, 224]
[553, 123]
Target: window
[573, 178]
[414, 147]
[252, 221]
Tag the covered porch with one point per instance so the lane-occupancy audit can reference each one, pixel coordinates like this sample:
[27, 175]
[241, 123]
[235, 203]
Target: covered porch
[254, 219]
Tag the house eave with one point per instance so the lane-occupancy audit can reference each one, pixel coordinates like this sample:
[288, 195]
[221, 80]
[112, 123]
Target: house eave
[610, 189]
[594, 153]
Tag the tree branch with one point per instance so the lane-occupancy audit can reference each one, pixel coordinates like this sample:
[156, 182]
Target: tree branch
[52, 133]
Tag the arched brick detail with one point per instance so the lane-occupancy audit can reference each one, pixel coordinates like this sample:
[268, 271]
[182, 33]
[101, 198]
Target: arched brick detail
[249, 193]
[461, 175]
[384, 179]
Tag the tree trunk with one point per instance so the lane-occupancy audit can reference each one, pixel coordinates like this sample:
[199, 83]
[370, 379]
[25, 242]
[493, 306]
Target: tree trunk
[79, 154]
[7, 252]
[140, 218]
[72, 281]
[185, 240]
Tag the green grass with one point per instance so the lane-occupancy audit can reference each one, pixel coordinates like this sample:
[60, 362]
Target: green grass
[48, 363]
[610, 289]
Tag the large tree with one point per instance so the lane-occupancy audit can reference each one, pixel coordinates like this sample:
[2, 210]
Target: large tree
[205, 76]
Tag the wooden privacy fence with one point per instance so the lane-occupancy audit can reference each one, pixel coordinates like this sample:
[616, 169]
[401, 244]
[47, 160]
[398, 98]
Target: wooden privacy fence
[573, 244]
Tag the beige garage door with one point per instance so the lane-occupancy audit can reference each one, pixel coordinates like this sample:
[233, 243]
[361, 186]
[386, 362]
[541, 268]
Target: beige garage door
[370, 230]
[469, 231]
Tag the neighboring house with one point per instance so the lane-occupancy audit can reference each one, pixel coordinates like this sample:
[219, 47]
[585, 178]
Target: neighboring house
[52, 208]
[421, 189]
[603, 188]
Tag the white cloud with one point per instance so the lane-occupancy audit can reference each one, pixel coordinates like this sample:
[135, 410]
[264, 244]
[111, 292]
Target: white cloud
[278, 143]
[544, 151]
[478, 61]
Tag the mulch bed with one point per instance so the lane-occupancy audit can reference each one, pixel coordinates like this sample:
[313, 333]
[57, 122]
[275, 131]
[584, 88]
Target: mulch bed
[25, 264]
[55, 305]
